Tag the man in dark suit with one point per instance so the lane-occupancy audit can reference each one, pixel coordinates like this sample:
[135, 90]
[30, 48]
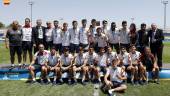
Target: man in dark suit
[143, 39]
[156, 43]
[38, 35]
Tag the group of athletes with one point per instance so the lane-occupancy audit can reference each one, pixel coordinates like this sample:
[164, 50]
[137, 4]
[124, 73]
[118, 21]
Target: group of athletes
[89, 51]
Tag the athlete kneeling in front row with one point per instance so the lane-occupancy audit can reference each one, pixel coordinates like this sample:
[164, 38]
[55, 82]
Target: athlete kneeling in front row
[39, 63]
[80, 64]
[117, 76]
[66, 64]
[54, 65]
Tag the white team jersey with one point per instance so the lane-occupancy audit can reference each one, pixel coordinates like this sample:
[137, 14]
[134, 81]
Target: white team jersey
[74, 36]
[101, 40]
[83, 35]
[102, 60]
[135, 56]
[111, 56]
[115, 72]
[124, 36]
[90, 58]
[105, 30]
[42, 58]
[65, 38]
[113, 36]
[125, 57]
[48, 34]
[80, 59]
[53, 60]
[56, 34]
[27, 34]
[66, 61]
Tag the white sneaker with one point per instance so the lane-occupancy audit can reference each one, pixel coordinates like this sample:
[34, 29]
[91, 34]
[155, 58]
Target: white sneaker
[111, 93]
[12, 65]
[19, 64]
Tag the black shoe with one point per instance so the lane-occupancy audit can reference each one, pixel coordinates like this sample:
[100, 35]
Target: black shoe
[32, 82]
[75, 82]
[61, 81]
[83, 83]
[136, 83]
[132, 82]
[42, 82]
[157, 82]
[69, 82]
[48, 82]
[141, 82]
[54, 83]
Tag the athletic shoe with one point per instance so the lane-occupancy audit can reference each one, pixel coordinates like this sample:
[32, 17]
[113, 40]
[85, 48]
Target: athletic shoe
[141, 82]
[83, 83]
[33, 82]
[75, 82]
[48, 82]
[12, 65]
[136, 83]
[69, 82]
[42, 82]
[132, 82]
[61, 80]
[110, 93]
[54, 83]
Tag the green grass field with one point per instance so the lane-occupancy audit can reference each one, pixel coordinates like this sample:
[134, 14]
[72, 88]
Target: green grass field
[20, 88]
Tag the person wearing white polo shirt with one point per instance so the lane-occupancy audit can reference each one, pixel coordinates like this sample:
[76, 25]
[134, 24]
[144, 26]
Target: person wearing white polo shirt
[90, 56]
[111, 55]
[116, 81]
[84, 34]
[92, 34]
[135, 56]
[56, 35]
[65, 36]
[48, 36]
[124, 36]
[105, 28]
[101, 39]
[113, 37]
[67, 64]
[80, 64]
[27, 43]
[74, 37]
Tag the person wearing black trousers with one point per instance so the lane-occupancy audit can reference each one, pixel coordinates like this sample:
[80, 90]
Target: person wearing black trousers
[38, 35]
[156, 43]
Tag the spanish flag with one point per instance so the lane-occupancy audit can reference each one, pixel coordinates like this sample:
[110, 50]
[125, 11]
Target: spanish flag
[6, 2]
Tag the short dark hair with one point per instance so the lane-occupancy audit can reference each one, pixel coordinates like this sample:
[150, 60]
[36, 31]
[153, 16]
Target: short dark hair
[104, 21]
[28, 19]
[93, 20]
[143, 24]
[113, 23]
[124, 22]
[74, 22]
[56, 21]
[66, 49]
[84, 20]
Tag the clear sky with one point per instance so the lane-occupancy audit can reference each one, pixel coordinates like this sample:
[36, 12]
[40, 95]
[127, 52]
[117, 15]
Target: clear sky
[148, 11]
